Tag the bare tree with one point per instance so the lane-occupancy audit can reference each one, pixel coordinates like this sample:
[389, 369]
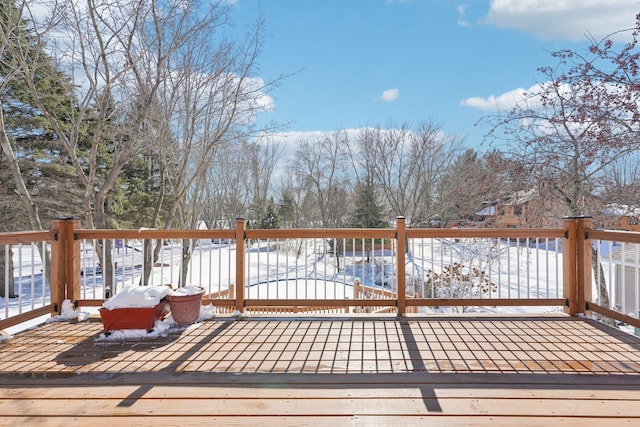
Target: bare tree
[582, 119]
[476, 181]
[208, 100]
[408, 165]
[292, 186]
[325, 167]
[226, 190]
[263, 157]
[151, 76]
[621, 188]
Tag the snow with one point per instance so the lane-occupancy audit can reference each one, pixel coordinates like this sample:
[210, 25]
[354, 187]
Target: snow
[187, 290]
[68, 313]
[137, 296]
[618, 210]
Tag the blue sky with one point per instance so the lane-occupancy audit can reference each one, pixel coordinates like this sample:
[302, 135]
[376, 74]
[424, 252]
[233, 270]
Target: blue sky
[379, 62]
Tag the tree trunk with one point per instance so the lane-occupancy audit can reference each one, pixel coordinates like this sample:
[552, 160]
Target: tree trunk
[6, 261]
[187, 250]
[601, 283]
[105, 254]
[148, 256]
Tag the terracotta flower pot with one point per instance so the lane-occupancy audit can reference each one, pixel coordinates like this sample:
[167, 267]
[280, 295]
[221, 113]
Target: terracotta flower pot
[133, 317]
[185, 309]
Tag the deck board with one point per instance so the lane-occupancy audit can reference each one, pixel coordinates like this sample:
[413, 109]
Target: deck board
[351, 371]
[331, 421]
[237, 407]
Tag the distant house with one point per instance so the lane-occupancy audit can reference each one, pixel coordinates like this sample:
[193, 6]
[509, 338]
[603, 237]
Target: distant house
[539, 208]
[625, 291]
[621, 217]
[526, 208]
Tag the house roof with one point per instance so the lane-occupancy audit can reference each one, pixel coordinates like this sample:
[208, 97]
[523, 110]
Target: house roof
[488, 211]
[517, 198]
[522, 196]
[615, 209]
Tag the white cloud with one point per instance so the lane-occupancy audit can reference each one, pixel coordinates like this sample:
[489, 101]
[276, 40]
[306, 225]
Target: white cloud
[503, 102]
[526, 98]
[563, 20]
[289, 141]
[263, 101]
[390, 95]
[462, 21]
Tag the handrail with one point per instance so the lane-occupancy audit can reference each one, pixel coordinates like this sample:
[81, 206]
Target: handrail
[148, 233]
[504, 233]
[15, 238]
[321, 233]
[614, 235]
[576, 238]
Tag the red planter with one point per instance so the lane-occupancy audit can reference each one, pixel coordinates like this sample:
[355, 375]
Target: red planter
[133, 317]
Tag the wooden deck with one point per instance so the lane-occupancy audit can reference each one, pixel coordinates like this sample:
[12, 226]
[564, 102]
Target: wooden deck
[357, 371]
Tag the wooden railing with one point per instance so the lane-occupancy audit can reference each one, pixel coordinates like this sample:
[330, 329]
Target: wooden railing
[622, 252]
[261, 271]
[15, 307]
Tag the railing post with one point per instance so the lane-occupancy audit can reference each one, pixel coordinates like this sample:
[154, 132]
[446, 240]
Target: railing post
[65, 263]
[58, 264]
[241, 225]
[569, 266]
[583, 259]
[73, 260]
[401, 248]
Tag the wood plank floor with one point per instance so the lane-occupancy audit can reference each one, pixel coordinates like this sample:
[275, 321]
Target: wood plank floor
[357, 371]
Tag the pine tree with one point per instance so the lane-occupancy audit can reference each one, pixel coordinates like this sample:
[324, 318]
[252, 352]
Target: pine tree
[271, 218]
[35, 165]
[368, 212]
[286, 209]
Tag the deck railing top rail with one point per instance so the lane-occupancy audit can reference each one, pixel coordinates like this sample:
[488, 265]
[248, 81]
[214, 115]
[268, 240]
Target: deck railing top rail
[27, 237]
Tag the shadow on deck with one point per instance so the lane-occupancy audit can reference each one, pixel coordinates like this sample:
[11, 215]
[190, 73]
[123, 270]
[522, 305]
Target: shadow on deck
[327, 371]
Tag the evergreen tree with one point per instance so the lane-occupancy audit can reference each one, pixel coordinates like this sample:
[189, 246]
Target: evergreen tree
[133, 200]
[368, 212]
[286, 209]
[271, 219]
[34, 164]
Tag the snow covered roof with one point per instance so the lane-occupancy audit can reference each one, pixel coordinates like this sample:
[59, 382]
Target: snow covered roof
[516, 198]
[615, 209]
[522, 196]
[488, 211]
